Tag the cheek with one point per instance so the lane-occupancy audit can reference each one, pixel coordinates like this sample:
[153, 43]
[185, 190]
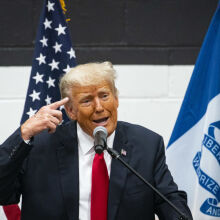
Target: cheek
[114, 114]
[112, 107]
[84, 113]
[115, 106]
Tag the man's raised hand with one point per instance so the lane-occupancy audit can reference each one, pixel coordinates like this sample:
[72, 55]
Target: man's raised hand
[47, 118]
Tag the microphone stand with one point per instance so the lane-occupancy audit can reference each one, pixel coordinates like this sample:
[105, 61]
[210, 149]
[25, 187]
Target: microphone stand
[114, 154]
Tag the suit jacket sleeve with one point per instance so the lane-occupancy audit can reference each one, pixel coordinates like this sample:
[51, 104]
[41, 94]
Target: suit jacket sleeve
[12, 156]
[167, 187]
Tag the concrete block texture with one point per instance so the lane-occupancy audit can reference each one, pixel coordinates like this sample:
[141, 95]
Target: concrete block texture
[158, 115]
[179, 77]
[142, 81]
[137, 32]
[10, 116]
[14, 82]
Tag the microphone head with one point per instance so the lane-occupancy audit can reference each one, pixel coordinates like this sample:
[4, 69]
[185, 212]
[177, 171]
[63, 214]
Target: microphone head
[100, 128]
[100, 137]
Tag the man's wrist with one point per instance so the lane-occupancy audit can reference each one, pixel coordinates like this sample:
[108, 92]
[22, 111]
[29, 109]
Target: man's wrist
[24, 134]
[29, 141]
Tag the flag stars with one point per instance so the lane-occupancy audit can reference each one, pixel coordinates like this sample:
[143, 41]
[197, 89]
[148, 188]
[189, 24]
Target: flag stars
[50, 82]
[54, 65]
[57, 47]
[50, 6]
[31, 112]
[44, 42]
[71, 52]
[68, 68]
[48, 100]
[60, 30]
[41, 59]
[47, 24]
[35, 96]
[38, 77]
[52, 54]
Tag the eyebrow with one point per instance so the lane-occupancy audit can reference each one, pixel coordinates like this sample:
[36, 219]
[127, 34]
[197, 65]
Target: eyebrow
[85, 96]
[103, 90]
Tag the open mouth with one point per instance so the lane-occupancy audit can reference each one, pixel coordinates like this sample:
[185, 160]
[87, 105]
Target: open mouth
[101, 120]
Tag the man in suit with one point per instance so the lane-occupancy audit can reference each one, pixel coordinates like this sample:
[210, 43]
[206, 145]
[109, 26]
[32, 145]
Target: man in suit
[55, 169]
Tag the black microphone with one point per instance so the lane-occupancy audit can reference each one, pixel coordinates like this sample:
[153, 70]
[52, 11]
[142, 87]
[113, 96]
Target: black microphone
[100, 139]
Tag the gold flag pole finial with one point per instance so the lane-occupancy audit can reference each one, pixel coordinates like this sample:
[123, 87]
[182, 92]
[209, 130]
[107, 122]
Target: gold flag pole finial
[63, 6]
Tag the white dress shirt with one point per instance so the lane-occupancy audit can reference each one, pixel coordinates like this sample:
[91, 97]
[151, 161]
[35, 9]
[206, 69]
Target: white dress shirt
[86, 156]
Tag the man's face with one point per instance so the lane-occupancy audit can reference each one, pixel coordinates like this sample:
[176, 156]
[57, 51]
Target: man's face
[94, 106]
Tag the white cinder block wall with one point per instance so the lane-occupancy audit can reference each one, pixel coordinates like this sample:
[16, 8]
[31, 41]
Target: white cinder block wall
[148, 95]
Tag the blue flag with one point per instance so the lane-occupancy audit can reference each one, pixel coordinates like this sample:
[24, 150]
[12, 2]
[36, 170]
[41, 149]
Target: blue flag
[193, 152]
[53, 56]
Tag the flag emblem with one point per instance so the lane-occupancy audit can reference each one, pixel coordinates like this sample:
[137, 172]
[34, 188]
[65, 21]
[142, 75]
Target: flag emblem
[209, 146]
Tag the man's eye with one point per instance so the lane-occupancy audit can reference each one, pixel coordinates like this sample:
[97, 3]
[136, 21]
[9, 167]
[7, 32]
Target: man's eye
[86, 101]
[104, 95]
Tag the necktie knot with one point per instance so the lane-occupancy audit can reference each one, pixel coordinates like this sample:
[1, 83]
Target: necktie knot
[99, 156]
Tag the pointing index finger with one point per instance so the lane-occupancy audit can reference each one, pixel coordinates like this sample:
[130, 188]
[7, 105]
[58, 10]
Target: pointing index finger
[59, 103]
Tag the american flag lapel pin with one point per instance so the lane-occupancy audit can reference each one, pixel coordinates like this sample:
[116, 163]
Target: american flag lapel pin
[123, 152]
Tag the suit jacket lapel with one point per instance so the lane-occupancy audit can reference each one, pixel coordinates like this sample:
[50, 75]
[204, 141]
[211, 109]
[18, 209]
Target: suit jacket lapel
[67, 156]
[118, 172]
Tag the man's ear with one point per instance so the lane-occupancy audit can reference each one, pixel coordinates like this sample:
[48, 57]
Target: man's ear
[70, 111]
[117, 102]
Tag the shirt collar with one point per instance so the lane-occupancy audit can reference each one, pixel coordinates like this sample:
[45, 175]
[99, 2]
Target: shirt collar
[86, 142]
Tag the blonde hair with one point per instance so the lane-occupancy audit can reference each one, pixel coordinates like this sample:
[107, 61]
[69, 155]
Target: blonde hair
[86, 75]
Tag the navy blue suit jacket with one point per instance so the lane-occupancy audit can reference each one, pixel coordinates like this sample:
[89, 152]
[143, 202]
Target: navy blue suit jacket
[46, 174]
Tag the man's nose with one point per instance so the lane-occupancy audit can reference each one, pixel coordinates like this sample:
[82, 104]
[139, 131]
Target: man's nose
[98, 105]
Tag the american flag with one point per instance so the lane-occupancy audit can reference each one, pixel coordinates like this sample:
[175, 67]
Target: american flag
[53, 56]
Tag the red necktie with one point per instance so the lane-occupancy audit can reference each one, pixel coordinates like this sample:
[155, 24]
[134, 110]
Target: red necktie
[12, 212]
[99, 192]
